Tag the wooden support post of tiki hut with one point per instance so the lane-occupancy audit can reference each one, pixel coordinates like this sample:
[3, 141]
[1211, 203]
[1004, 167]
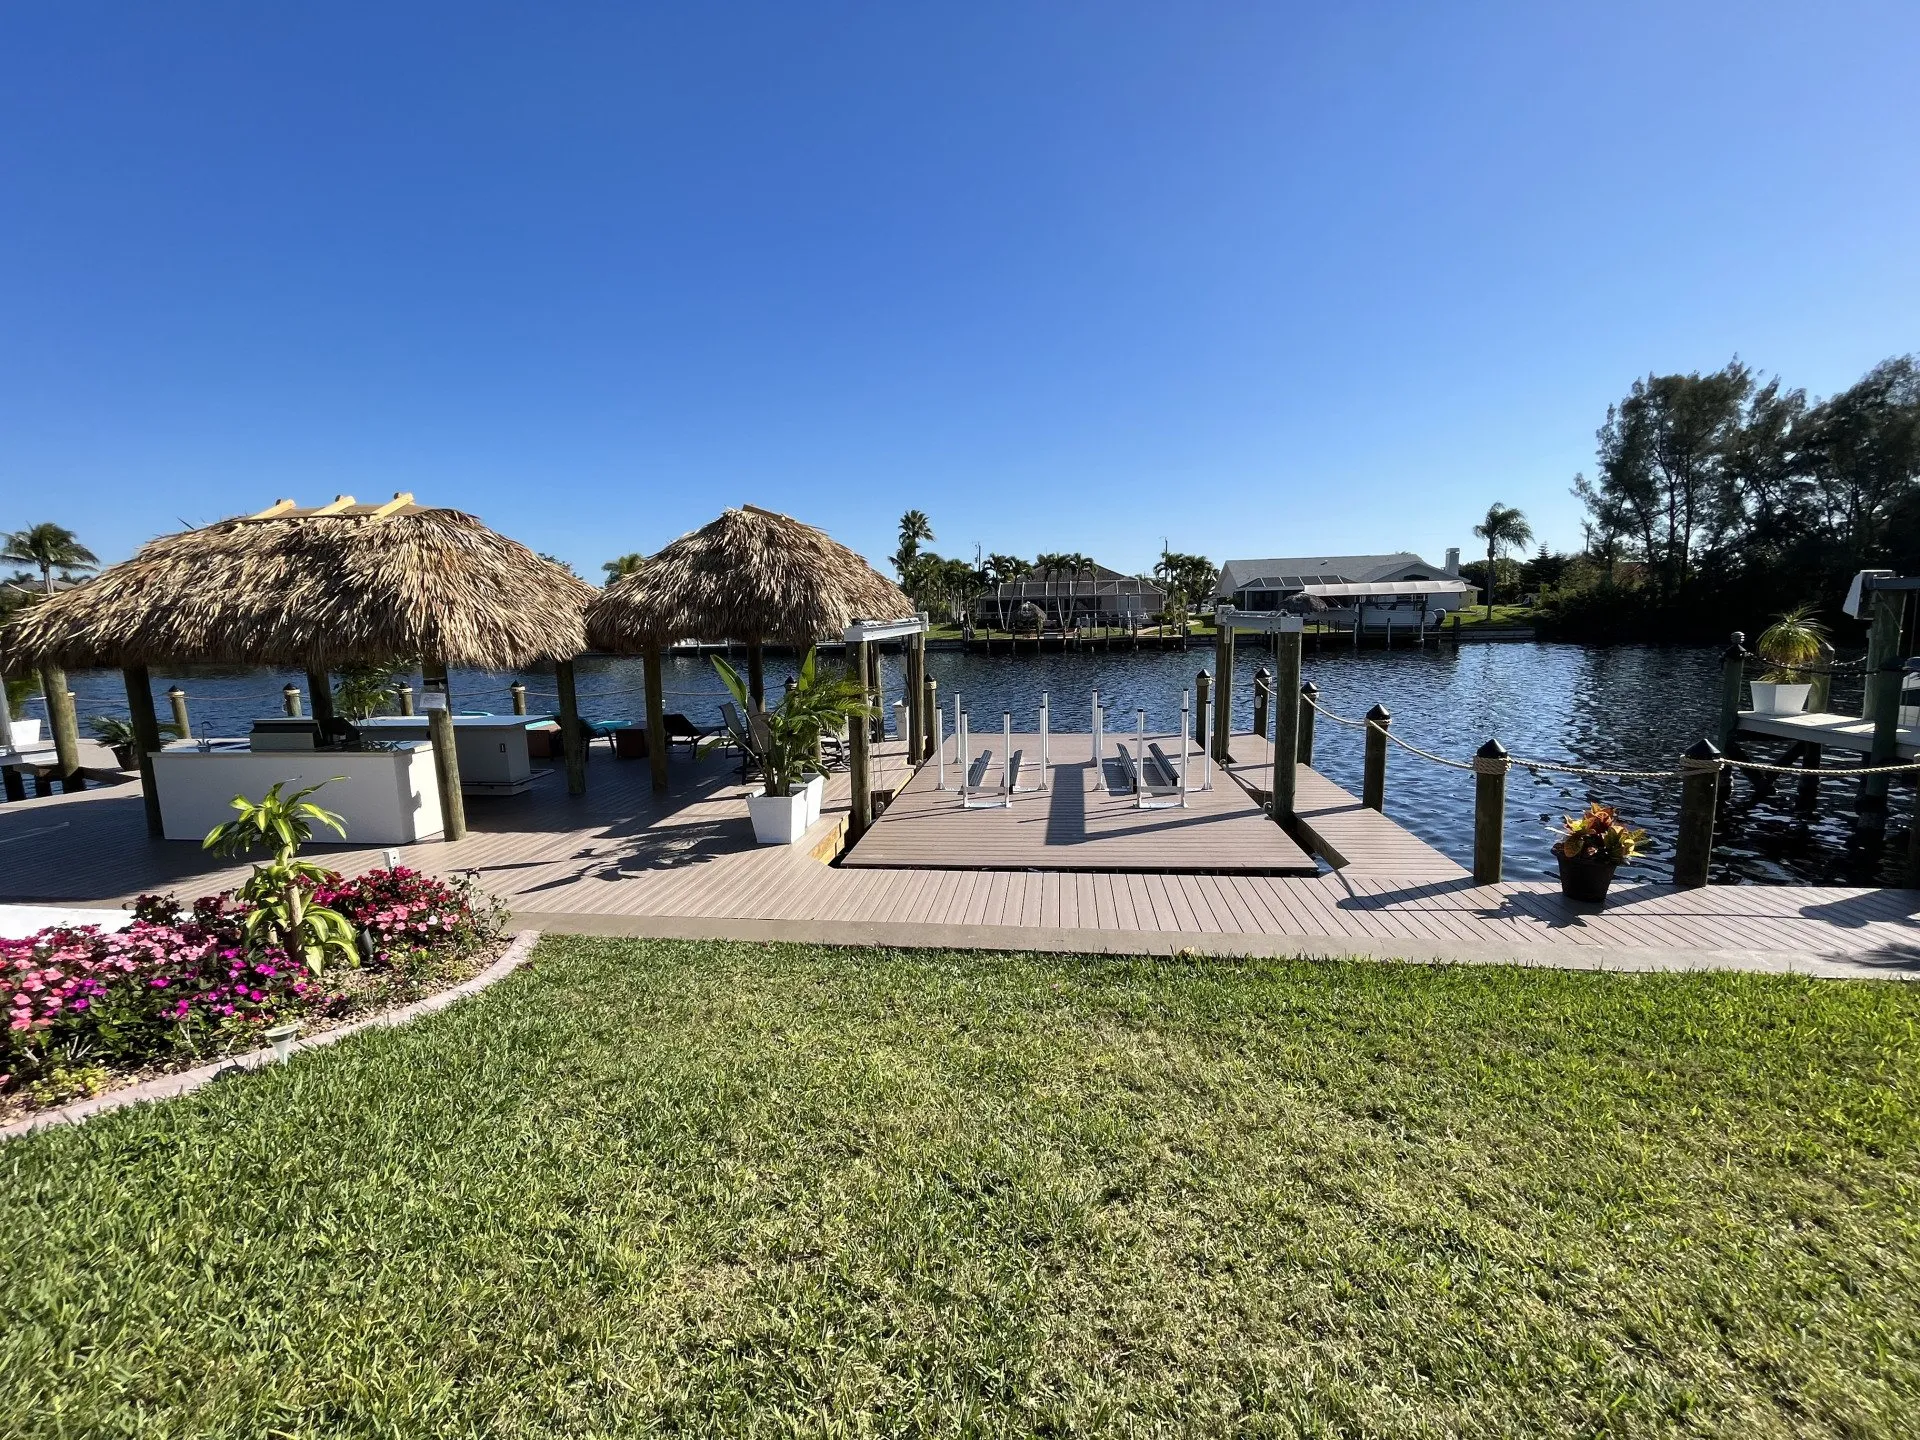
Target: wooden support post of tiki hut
[656, 716]
[1222, 687]
[573, 739]
[446, 759]
[146, 740]
[756, 675]
[320, 689]
[860, 760]
[64, 724]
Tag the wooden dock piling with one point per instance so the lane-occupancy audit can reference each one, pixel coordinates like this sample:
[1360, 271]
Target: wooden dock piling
[518, 691]
[1262, 683]
[1202, 689]
[1490, 767]
[1309, 697]
[1222, 690]
[1373, 779]
[1733, 669]
[290, 698]
[1286, 721]
[860, 750]
[182, 721]
[1699, 797]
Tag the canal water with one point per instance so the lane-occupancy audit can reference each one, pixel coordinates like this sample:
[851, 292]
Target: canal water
[1622, 707]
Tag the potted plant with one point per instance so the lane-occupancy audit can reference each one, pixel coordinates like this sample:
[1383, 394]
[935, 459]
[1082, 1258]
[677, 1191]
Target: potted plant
[1794, 641]
[790, 739]
[1591, 848]
[116, 733]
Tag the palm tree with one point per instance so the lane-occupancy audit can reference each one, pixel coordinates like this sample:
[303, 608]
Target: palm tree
[914, 527]
[628, 564]
[49, 547]
[1504, 529]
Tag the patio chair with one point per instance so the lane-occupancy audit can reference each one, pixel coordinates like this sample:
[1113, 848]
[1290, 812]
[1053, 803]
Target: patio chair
[682, 731]
[741, 739]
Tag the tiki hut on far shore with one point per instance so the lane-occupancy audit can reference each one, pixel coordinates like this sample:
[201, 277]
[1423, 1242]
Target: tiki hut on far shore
[339, 584]
[752, 576]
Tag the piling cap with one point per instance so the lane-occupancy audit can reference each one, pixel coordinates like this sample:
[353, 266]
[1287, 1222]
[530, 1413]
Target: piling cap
[1492, 750]
[1379, 712]
[1703, 749]
[1307, 687]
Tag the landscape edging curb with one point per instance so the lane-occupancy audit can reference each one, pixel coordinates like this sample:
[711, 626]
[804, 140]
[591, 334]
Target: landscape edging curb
[166, 1087]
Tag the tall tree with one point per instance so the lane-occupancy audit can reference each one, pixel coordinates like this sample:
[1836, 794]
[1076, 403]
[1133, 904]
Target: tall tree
[629, 564]
[1505, 528]
[48, 548]
[914, 528]
[1865, 455]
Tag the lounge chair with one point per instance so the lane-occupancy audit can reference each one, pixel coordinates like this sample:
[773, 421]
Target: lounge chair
[682, 731]
[741, 738]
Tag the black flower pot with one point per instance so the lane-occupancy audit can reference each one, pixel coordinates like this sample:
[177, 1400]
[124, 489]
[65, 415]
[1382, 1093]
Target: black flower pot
[1585, 880]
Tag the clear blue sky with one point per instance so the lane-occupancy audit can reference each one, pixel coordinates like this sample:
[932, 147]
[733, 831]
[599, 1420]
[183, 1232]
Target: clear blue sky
[1258, 278]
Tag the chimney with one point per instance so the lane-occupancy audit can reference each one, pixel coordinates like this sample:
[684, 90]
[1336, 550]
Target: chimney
[1453, 560]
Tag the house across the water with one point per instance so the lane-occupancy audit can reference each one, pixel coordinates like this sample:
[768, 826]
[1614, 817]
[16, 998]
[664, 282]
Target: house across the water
[1374, 591]
[1066, 598]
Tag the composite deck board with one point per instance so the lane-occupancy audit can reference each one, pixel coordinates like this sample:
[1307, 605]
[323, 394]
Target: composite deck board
[1076, 823]
[621, 851]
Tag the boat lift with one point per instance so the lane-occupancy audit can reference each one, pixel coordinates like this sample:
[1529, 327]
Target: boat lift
[1151, 774]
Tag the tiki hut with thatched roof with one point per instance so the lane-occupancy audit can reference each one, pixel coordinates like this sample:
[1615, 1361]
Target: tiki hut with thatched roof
[752, 576]
[339, 584]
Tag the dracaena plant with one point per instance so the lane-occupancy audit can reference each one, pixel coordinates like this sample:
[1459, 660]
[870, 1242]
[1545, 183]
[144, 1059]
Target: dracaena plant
[819, 701]
[281, 912]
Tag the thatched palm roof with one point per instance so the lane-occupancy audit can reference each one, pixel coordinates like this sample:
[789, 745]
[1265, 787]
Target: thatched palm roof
[340, 584]
[750, 575]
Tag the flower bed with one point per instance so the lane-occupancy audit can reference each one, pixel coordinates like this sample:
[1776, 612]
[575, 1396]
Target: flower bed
[88, 1010]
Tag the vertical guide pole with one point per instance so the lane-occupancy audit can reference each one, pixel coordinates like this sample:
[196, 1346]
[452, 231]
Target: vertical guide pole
[1699, 793]
[1046, 726]
[1286, 721]
[182, 721]
[1309, 693]
[1186, 741]
[64, 724]
[1732, 671]
[446, 759]
[860, 762]
[573, 742]
[962, 742]
[146, 740]
[939, 752]
[1222, 684]
[1490, 766]
[1373, 779]
[1140, 759]
[1206, 754]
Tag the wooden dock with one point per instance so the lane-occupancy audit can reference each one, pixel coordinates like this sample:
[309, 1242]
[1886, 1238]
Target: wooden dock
[621, 860]
[1829, 731]
[1085, 819]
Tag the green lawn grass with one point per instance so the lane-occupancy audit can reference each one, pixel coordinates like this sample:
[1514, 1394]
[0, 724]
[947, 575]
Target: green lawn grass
[722, 1188]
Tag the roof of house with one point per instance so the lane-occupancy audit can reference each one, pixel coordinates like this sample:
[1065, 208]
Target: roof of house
[1294, 571]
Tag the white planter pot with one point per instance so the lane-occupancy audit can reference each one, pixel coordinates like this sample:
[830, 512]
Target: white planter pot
[815, 790]
[778, 819]
[1770, 699]
[26, 734]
